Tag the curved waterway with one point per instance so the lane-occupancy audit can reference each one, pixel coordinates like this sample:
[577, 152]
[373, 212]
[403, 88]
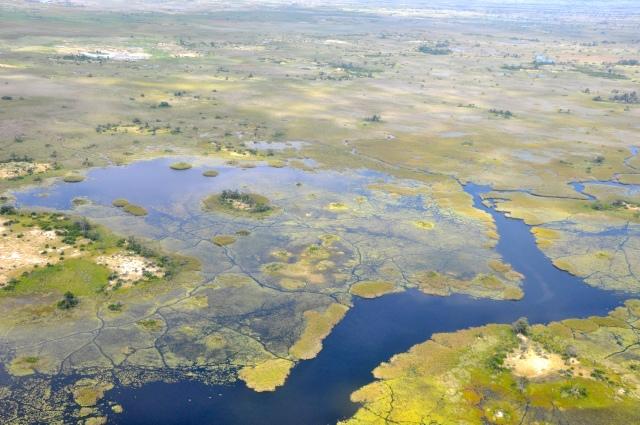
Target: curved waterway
[317, 391]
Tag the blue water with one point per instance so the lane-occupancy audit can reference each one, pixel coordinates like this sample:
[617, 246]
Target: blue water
[317, 391]
[156, 186]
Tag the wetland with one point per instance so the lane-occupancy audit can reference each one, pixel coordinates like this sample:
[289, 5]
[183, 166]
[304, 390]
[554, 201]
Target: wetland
[340, 213]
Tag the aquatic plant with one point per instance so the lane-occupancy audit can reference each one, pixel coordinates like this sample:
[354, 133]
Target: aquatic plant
[73, 178]
[180, 166]
[223, 240]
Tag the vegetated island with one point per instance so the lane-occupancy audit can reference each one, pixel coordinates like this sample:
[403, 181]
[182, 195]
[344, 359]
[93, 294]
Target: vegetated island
[180, 166]
[575, 371]
[239, 203]
[130, 208]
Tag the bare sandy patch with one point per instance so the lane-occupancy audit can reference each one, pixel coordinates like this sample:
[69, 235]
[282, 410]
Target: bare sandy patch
[129, 267]
[10, 170]
[530, 360]
[105, 52]
[21, 251]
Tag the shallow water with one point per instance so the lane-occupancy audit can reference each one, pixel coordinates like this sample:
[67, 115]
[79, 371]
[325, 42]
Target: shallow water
[317, 391]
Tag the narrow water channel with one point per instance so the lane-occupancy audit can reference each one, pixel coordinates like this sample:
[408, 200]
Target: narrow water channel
[317, 392]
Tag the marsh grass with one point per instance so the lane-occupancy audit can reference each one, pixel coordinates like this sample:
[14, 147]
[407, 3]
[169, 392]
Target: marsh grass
[180, 166]
[73, 178]
[135, 210]
[129, 208]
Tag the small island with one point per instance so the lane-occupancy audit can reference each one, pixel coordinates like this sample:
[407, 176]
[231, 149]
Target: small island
[239, 203]
[129, 208]
[210, 173]
[180, 166]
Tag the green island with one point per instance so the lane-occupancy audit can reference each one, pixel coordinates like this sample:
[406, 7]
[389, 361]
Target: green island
[572, 371]
[180, 166]
[130, 208]
[239, 203]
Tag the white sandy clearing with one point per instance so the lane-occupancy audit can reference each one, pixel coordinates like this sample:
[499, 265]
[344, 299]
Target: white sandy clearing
[531, 361]
[19, 254]
[105, 52]
[129, 267]
[20, 168]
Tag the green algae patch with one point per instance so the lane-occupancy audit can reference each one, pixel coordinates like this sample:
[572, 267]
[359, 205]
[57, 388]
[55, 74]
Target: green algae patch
[424, 225]
[73, 178]
[151, 325]
[96, 420]
[372, 288]
[129, 208]
[239, 203]
[135, 210]
[223, 240]
[210, 173]
[79, 201]
[27, 365]
[266, 376]
[120, 202]
[180, 166]
[87, 392]
[337, 207]
[317, 326]
[318, 264]
[501, 284]
[490, 374]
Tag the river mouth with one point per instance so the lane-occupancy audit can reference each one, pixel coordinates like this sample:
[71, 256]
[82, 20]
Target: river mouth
[317, 391]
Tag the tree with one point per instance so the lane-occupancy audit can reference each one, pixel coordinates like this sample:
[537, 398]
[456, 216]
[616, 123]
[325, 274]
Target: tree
[521, 326]
[68, 301]
[571, 351]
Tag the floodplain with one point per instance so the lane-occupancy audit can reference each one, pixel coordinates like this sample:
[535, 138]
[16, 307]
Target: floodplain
[255, 205]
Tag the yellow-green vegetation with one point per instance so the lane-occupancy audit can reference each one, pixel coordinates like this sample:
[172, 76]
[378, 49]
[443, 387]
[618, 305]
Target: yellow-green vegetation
[337, 207]
[130, 208]
[504, 285]
[136, 210]
[266, 376]
[422, 224]
[180, 166]
[574, 371]
[210, 173]
[239, 203]
[73, 178]
[317, 327]
[120, 202]
[87, 392]
[372, 288]
[223, 240]
[319, 264]
[27, 365]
